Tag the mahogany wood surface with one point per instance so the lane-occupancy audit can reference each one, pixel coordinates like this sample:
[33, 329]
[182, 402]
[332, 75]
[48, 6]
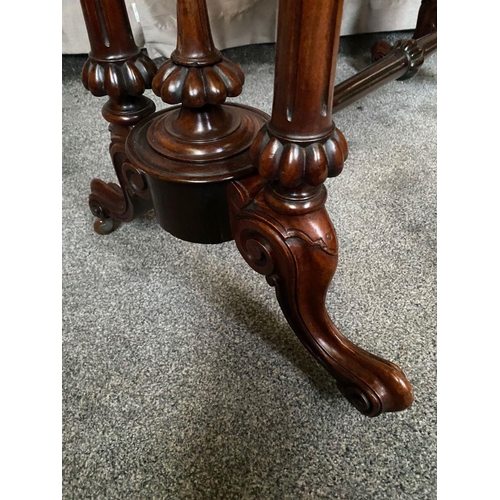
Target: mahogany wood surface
[203, 142]
[426, 23]
[402, 62]
[117, 68]
[427, 18]
[279, 219]
[215, 171]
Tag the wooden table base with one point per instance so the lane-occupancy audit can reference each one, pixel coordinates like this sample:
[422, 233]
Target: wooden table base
[214, 171]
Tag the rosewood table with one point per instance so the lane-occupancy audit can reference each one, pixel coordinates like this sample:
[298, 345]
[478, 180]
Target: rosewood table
[214, 171]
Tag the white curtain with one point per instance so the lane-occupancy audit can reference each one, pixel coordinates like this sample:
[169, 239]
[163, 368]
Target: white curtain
[233, 22]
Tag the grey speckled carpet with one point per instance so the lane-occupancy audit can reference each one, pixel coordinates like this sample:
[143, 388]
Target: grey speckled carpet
[182, 380]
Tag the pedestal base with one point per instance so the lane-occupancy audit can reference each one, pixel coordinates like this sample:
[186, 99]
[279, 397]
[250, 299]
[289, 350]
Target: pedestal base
[192, 212]
[188, 175]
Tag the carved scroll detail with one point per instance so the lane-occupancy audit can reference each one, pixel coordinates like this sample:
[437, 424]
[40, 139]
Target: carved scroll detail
[124, 201]
[298, 256]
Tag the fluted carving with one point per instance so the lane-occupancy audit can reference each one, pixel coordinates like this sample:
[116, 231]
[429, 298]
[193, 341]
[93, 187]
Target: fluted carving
[427, 19]
[293, 163]
[306, 54]
[117, 79]
[391, 63]
[196, 163]
[204, 138]
[191, 150]
[414, 54]
[116, 66]
[120, 202]
[196, 74]
[426, 24]
[195, 86]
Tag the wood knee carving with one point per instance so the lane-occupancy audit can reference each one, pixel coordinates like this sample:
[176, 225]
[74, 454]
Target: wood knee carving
[214, 171]
[279, 219]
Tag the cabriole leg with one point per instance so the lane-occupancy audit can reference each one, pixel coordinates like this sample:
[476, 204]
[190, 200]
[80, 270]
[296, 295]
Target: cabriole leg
[278, 217]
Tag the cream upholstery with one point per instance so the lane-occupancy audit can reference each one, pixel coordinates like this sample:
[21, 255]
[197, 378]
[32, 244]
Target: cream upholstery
[234, 22]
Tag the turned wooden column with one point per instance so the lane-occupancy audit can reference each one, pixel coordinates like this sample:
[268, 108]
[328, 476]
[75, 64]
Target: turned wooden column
[279, 219]
[402, 62]
[214, 171]
[118, 69]
[195, 46]
[191, 151]
[301, 147]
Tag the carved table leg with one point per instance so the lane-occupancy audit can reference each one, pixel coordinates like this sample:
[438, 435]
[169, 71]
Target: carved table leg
[278, 217]
[427, 19]
[426, 23]
[117, 68]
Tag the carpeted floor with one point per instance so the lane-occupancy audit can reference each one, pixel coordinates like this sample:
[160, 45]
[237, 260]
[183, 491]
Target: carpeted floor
[182, 379]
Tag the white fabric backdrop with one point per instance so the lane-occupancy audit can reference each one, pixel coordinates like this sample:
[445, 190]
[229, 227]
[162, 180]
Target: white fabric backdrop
[234, 22]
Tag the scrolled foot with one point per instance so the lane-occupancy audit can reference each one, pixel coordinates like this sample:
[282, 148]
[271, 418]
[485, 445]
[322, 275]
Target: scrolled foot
[105, 226]
[298, 255]
[380, 50]
[119, 202]
[105, 195]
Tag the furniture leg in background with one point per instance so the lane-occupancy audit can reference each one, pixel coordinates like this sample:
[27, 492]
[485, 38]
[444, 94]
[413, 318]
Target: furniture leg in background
[426, 23]
[402, 62]
[117, 68]
[399, 62]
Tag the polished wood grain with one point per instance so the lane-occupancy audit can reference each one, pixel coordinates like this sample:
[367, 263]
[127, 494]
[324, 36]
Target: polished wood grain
[215, 171]
[427, 18]
[279, 220]
[426, 23]
[118, 69]
[191, 151]
[402, 61]
[296, 248]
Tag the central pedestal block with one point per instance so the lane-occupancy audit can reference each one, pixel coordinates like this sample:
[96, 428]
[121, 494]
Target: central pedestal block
[189, 157]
